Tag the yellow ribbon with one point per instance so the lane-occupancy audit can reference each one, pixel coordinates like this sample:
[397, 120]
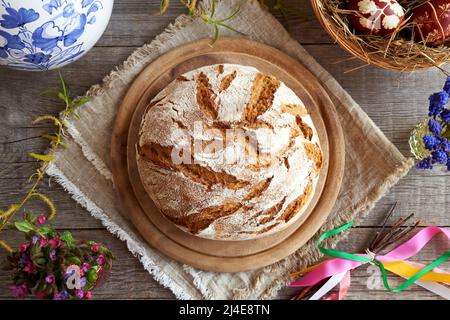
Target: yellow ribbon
[407, 270]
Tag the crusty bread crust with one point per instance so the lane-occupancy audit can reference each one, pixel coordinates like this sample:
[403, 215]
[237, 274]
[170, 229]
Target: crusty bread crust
[229, 153]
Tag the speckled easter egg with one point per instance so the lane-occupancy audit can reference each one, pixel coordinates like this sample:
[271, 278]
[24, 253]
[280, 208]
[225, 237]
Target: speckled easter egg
[380, 17]
[432, 22]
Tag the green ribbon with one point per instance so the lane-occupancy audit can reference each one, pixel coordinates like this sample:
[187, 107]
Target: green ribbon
[355, 257]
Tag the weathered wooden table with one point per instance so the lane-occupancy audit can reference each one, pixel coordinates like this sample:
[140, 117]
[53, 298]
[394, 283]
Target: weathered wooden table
[395, 102]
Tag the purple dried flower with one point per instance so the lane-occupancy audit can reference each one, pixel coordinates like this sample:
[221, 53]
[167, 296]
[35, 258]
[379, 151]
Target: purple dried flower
[438, 101]
[439, 156]
[445, 145]
[83, 282]
[52, 255]
[434, 126]
[85, 267]
[445, 115]
[25, 259]
[64, 295]
[430, 142]
[34, 239]
[101, 260]
[425, 163]
[50, 279]
[79, 293]
[447, 85]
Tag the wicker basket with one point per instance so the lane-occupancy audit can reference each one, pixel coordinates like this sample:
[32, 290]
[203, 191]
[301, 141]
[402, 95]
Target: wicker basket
[395, 53]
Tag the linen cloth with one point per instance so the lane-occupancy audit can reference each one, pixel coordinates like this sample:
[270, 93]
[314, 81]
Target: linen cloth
[373, 164]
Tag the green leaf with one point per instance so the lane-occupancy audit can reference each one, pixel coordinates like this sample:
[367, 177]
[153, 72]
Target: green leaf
[40, 157]
[48, 92]
[213, 9]
[216, 34]
[74, 260]
[191, 4]
[226, 26]
[163, 6]
[69, 239]
[45, 230]
[30, 217]
[79, 102]
[24, 226]
[232, 15]
[62, 97]
[91, 275]
[47, 117]
[64, 87]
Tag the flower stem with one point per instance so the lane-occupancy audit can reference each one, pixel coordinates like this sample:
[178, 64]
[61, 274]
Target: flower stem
[40, 173]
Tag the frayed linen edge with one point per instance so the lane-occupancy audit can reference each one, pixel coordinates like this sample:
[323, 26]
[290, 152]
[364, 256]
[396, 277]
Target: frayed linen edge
[96, 161]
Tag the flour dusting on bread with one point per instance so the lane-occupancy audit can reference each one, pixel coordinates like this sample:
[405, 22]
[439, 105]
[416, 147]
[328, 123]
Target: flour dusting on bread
[227, 152]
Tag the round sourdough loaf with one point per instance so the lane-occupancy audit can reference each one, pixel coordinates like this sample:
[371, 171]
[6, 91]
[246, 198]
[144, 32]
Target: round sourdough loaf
[228, 153]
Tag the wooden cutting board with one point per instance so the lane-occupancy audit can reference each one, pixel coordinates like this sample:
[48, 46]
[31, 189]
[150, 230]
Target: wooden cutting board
[214, 255]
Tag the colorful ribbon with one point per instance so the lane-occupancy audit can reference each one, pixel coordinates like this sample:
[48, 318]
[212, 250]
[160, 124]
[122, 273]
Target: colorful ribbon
[396, 261]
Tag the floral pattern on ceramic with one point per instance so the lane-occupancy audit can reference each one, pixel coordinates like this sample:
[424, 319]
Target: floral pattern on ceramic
[39, 35]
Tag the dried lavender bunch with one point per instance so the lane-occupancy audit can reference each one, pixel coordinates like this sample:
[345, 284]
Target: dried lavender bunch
[430, 139]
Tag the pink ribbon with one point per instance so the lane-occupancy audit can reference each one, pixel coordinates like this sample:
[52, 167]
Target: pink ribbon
[337, 265]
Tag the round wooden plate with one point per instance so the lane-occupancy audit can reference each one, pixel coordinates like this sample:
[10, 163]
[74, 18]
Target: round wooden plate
[150, 85]
[213, 255]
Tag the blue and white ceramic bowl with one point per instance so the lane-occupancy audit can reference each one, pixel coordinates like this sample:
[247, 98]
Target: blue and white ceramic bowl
[38, 35]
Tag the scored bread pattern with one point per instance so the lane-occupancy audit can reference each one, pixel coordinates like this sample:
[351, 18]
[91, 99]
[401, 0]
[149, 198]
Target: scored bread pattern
[227, 152]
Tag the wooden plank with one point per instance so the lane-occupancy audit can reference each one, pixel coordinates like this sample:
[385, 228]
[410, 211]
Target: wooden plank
[128, 280]
[132, 23]
[395, 102]
[362, 285]
[403, 101]
[396, 111]
[415, 193]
